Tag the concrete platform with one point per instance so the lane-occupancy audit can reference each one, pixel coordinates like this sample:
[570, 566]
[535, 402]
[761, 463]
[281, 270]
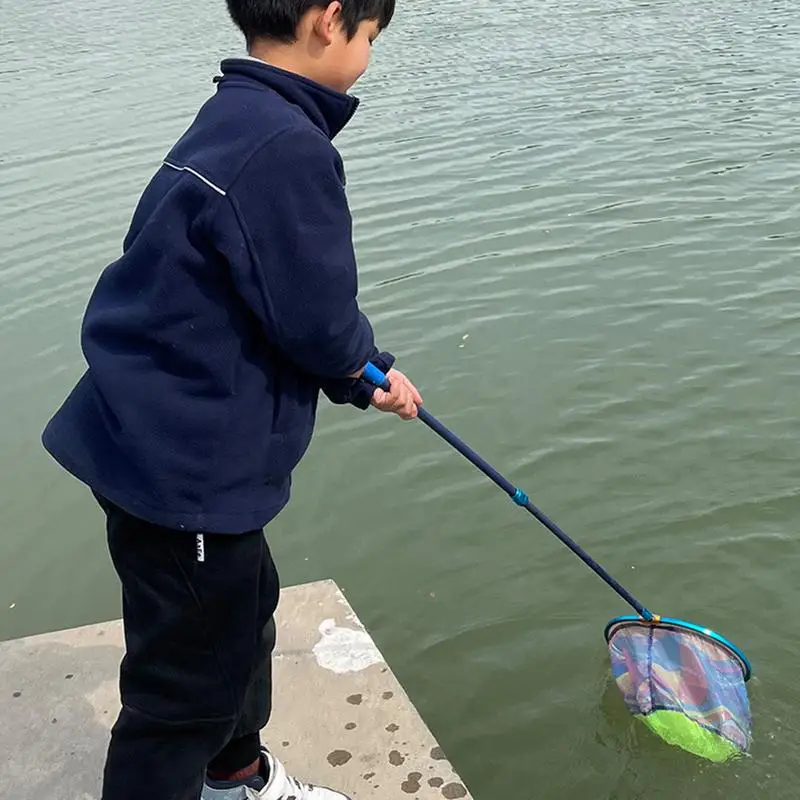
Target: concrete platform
[340, 716]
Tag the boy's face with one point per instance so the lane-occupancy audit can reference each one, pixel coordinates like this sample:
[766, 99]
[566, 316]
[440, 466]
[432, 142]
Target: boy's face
[347, 59]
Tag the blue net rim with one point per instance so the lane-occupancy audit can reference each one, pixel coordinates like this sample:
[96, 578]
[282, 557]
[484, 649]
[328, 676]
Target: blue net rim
[682, 624]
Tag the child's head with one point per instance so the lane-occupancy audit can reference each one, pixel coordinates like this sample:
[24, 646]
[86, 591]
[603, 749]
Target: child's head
[326, 40]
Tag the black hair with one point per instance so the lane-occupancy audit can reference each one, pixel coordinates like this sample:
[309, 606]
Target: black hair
[279, 19]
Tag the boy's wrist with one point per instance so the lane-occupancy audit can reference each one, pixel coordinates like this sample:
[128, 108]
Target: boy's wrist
[363, 391]
[357, 391]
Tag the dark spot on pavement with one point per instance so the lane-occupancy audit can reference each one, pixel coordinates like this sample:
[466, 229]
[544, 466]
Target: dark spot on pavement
[437, 754]
[355, 699]
[68, 677]
[351, 726]
[411, 786]
[395, 759]
[339, 758]
[453, 791]
[369, 776]
[285, 744]
[17, 694]
[393, 728]
[388, 695]
[435, 782]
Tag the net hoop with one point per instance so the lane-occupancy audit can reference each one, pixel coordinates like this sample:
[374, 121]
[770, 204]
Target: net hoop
[680, 624]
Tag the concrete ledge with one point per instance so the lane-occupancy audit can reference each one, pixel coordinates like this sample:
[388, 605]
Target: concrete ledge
[340, 716]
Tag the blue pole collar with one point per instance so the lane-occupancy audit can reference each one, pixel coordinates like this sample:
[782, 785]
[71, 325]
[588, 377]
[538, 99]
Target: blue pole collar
[520, 498]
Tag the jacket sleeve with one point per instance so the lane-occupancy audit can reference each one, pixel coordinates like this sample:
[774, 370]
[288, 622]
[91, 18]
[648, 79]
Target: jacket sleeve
[356, 392]
[286, 231]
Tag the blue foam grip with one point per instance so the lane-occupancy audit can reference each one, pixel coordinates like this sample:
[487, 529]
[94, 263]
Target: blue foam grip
[374, 376]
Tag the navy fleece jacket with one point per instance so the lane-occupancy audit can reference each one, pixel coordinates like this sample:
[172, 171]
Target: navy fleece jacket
[232, 306]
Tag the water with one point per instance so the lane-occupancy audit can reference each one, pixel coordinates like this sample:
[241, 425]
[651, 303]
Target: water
[602, 196]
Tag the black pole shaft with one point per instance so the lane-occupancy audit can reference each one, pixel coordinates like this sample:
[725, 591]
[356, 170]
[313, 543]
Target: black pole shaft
[522, 500]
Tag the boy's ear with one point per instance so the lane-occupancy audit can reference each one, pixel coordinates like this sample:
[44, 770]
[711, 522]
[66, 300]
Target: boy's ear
[328, 22]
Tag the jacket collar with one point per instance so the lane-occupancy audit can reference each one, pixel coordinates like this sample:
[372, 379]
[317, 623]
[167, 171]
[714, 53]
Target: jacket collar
[328, 109]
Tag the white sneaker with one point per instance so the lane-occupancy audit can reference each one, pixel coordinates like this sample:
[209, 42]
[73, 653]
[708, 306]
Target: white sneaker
[279, 786]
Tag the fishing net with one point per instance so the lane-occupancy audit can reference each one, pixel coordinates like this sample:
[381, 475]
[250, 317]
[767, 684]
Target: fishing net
[686, 683]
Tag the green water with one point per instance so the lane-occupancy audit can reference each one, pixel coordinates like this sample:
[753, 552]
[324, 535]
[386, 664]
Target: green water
[602, 195]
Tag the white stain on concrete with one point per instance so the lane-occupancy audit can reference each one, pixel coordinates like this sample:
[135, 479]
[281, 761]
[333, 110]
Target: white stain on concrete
[343, 650]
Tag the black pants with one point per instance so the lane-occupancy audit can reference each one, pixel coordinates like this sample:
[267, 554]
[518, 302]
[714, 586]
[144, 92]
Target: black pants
[196, 678]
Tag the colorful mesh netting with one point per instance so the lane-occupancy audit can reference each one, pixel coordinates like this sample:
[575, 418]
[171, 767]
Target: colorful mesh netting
[686, 686]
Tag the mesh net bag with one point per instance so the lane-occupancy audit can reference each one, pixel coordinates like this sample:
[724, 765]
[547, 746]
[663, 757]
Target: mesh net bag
[686, 683]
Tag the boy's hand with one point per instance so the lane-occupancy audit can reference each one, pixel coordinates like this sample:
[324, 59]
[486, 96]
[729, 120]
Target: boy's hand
[402, 398]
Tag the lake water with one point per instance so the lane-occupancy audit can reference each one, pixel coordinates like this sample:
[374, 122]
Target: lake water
[602, 197]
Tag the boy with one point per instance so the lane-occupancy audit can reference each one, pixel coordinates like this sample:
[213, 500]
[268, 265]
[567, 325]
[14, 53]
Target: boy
[232, 306]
